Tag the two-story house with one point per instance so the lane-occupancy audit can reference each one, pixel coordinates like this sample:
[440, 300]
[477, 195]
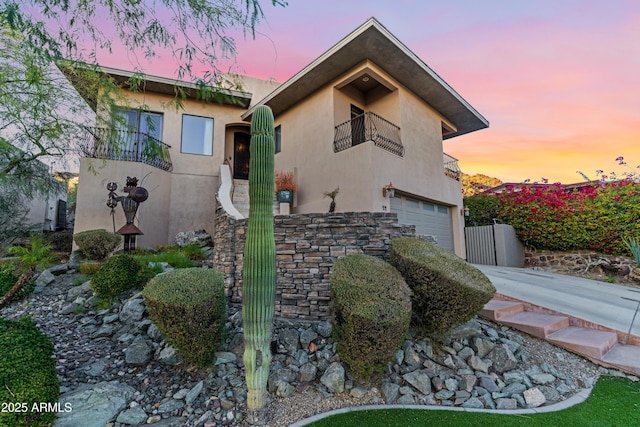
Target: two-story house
[365, 115]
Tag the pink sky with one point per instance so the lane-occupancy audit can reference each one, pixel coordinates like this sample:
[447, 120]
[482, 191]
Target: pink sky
[558, 80]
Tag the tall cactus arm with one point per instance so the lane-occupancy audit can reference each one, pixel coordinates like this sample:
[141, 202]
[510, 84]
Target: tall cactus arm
[259, 275]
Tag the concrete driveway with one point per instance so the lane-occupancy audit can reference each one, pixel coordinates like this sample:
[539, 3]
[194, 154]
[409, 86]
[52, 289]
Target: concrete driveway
[598, 302]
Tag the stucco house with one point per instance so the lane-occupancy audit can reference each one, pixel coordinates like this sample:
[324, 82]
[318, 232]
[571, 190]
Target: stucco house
[366, 114]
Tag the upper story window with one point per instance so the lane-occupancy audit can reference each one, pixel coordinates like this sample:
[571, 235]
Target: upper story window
[278, 138]
[134, 120]
[197, 135]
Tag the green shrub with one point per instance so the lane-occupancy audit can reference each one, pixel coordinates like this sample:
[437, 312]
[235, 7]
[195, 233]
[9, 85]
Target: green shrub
[60, 241]
[174, 258]
[8, 277]
[96, 244]
[447, 291]
[370, 312]
[118, 274]
[27, 373]
[193, 251]
[189, 307]
[89, 268]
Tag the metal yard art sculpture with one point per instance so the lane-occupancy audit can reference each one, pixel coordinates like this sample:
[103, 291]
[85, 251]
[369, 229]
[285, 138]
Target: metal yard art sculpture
[130, 203]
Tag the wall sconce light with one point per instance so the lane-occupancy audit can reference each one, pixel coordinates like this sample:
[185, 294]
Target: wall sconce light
[465, 212]
[388, 191]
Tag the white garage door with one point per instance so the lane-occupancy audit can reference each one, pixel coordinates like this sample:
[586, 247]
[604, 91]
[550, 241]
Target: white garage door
[429, 218]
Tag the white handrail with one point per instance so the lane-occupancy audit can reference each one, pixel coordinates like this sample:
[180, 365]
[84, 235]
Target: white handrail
[224, 192]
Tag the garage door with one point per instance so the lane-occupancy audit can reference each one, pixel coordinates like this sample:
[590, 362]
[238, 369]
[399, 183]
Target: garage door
[429, 218]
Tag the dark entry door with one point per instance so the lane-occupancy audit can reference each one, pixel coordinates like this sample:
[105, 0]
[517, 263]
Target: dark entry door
[241, 143]
[357, 125]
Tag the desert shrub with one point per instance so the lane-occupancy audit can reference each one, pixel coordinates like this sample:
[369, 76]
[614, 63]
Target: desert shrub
[96, 244]
[174, 258]
[118, 274]
[447, 291]
[370, 311]
[60, 241]
[189, 307]
[27, 373]
[193, 251]
[89, 268]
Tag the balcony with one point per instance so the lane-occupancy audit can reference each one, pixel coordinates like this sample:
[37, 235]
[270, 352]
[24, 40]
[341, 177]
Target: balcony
[116, 144]
[368, 127]
[451, 168]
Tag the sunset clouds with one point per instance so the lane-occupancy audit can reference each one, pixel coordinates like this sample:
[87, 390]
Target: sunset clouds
[558, 80]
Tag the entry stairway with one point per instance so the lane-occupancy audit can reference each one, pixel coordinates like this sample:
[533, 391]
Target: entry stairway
[603, 346]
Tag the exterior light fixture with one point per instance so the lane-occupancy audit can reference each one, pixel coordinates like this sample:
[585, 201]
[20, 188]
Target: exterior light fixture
[465, 212]
[365, 79]
[388, 191]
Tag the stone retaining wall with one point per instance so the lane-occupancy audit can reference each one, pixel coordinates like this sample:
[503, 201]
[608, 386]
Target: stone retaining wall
[307, 245]
[587, 263]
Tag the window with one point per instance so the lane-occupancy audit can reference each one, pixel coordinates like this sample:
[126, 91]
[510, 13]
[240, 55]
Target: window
[278, 138]
[197, 135]
[357, 125]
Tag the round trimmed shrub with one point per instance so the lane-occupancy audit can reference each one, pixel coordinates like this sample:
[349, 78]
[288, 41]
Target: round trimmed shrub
[189, 308]
[118, 274]
[370, 312]
[96, 244]
[27, 373]
[447, 291]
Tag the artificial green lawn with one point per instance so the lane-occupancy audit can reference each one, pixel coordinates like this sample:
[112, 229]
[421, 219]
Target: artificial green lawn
[614, 401]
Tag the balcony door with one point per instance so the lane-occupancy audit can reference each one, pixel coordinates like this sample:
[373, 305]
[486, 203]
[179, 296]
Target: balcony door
[132, 129]
[357, 125]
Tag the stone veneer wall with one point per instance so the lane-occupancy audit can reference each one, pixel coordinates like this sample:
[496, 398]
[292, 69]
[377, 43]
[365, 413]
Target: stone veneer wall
[579, 262]
[307, 245]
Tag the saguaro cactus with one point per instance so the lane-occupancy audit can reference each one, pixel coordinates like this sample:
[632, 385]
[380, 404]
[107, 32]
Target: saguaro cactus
[259, 275]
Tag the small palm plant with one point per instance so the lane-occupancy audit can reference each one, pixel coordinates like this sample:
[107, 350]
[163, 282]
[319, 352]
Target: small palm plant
[37, 254]
[634, 247]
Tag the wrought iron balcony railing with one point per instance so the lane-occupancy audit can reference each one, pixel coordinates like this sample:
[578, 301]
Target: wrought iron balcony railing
[368, 127]
[116, 144]
[451, 168]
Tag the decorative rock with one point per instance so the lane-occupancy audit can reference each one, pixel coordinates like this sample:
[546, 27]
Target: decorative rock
[390, 391]
[45, 278]
[225, 357]
[289, 340]
[444, 394]
[534, 397]
[503, 359]
[180, 394]
[419, 380]
[478, 364]
[412, 358]
[139, 353]
[307, 372]
[94, 404]
[285, 389]
[110, 318]
[133, 416]
[515, 388]
[75, 292]
[550, 393]
[103, 331]
[154, 333]
[169, 405]
[193, 394]
[306, 337]
[132, 311]
[506, 403]
[69, 308]
[406, 399]
[542, 378]
[168, 356]
[358, 392]
[473, 402]
[489, 385]
[201, 237]
[324, 329]
[333, 378]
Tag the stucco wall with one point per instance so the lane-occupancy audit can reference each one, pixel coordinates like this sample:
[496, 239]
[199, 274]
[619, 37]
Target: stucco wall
[307, 245]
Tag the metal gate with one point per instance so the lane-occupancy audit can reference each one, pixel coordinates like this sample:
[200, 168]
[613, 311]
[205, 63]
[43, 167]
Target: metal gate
[495, 244]
[481, 245]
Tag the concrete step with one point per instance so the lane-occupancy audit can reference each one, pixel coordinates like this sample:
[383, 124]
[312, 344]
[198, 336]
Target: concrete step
[241, 196]
[537, 324]
[626, 357]
[588, 342]
[497, 309]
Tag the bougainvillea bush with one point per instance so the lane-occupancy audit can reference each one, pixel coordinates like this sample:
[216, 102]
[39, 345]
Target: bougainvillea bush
[597, 217]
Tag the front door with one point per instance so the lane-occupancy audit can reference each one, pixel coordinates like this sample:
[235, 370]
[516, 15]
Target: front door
[241, 141]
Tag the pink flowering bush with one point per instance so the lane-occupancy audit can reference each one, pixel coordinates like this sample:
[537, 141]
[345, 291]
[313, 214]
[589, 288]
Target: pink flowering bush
[595, 217]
